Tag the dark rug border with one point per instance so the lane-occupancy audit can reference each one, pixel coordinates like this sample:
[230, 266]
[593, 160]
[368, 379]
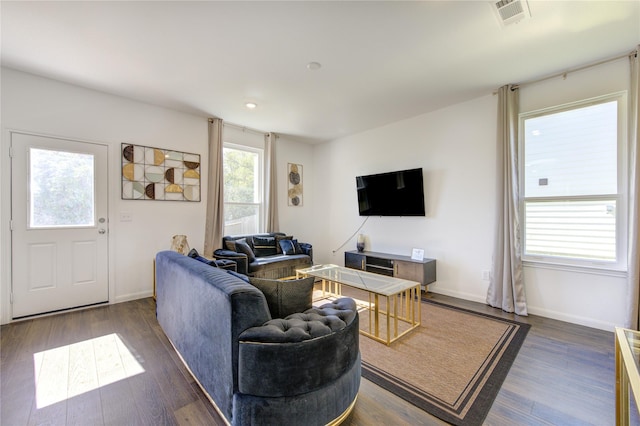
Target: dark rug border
[482, 404]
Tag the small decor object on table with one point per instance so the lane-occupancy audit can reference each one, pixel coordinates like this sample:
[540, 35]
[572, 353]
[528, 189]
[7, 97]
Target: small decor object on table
[179, 243]
[360, 242]
[159, 174]
[417, 254]
[294, 177]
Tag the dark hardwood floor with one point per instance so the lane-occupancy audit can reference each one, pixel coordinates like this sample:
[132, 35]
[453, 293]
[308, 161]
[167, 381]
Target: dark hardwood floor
[118, 368]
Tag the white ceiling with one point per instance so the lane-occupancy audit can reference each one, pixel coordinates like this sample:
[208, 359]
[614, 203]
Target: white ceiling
[381, 61]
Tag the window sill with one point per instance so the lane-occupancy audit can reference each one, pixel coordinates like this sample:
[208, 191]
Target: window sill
[583, 269]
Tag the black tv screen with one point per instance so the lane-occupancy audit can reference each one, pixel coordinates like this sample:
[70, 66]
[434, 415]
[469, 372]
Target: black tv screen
[398, 193]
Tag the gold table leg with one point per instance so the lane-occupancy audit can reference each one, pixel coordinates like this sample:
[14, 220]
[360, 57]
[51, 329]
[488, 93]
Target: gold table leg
[622, 389]
[376, 318]
[395, 318]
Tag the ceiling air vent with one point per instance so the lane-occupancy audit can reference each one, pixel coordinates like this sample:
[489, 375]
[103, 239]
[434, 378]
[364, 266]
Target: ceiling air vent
[510, 11]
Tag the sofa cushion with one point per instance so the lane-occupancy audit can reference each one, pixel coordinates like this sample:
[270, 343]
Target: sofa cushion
[294, 328]
[314, 322]
[278, 266]
[286, 297]
[243, 247]
[264, 246]
[344, 308]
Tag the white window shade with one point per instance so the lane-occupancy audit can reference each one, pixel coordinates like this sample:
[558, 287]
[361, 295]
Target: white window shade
[572, 153]
[572, 229]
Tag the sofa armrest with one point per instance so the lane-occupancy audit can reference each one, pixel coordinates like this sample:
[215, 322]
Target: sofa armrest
[301, 353]
[241, 259]
[307, 249]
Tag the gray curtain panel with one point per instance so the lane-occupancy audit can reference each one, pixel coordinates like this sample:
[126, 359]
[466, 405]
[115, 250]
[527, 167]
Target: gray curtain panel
[271, 183]
[633, 265]
[506, 287]
[214, 224]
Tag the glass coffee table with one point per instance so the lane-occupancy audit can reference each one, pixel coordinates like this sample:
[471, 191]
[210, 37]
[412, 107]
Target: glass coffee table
[627, 353]
[395, 299]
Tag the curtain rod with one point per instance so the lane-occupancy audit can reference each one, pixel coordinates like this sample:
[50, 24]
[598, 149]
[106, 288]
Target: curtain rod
[244, 128]
[565, 73]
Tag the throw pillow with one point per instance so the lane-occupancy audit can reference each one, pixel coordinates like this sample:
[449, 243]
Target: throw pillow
[243, 247]
[264, 246]
[290, 247]
[280, 238]
[230, 245]
[194, 255]
[287, 247]
[286, 297]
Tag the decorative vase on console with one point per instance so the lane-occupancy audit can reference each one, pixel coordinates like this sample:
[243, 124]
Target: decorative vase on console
[360, 242]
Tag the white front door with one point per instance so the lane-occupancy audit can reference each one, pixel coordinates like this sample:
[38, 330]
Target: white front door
[59, 238]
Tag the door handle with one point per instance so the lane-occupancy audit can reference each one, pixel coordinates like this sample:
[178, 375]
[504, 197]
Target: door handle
[102, 231]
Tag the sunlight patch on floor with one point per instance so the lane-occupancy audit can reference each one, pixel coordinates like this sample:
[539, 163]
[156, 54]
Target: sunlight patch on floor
[71, 370]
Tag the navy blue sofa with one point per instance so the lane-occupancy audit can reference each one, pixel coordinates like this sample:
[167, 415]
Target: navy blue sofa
[257, 370]
[262, 255]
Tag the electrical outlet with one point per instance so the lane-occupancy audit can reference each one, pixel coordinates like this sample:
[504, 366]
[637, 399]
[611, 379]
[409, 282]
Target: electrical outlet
[126, 217]
[486, 275]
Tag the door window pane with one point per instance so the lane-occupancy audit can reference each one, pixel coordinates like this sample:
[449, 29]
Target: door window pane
[61, 189]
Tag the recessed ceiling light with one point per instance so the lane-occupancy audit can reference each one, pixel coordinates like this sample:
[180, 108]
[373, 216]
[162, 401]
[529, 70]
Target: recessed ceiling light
[251, 105]
[314, 66]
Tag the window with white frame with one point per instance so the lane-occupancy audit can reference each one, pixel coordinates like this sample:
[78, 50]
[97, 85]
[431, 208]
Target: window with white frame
[573, 184]
[243, 189]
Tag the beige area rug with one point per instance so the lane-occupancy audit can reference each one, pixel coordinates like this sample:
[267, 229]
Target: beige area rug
[452, 366]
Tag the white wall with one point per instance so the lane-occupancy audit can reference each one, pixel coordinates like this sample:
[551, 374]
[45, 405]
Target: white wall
[456, 149]
[296, 220]
[48, 107]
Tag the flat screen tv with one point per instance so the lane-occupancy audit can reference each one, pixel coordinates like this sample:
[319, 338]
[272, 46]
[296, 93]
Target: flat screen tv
[398, 193]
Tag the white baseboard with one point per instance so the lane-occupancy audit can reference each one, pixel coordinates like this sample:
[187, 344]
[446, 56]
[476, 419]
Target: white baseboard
[460, 295]
[541, 312]
[573, 319]
[133, 296]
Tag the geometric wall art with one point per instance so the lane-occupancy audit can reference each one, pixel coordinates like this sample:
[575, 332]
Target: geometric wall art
[294, 184]
[159, 174]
